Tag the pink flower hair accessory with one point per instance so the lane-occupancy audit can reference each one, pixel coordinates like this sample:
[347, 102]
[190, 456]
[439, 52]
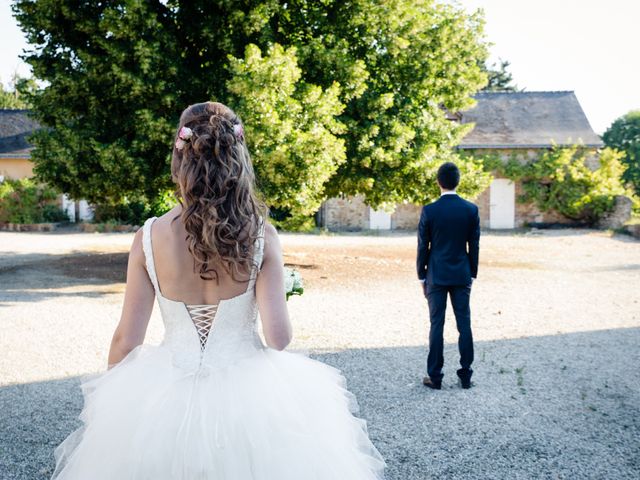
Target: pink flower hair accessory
[238, 131]
[184, 135]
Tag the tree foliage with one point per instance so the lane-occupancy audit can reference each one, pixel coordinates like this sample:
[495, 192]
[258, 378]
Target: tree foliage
[403, 63]
[19, 93]
[624, 135]
[110, 74]
[499, 79]
[293, 130]
[337, 97]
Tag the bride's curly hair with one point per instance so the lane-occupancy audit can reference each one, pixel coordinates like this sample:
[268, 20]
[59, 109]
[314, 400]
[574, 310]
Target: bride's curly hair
[216, 188]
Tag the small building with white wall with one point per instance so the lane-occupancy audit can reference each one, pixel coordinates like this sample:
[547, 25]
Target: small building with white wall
[15, 157]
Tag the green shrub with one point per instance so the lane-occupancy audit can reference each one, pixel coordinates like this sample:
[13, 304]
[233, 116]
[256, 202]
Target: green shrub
[285, 219]
[129, 212]
[162, 203]
[560, 180]
[134, 211]
[25, 201]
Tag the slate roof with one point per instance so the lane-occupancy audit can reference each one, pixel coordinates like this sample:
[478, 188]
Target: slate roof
[15, 127]
[527, 120]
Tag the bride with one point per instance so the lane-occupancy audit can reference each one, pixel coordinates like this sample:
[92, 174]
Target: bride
[212, 402]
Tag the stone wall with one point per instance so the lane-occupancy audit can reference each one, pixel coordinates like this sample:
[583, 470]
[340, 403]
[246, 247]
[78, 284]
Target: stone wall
[525, 213]
[351, 213]
[482, 201]
[620, 214]
[634, 230]
[406, 217]
[27, 227]
[344, 213]
[522, 155]
[529, 213]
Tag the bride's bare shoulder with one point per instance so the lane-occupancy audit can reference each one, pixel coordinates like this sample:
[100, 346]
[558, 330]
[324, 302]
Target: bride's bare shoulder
[169, 217]
[269, 230]
[271, 240]
[169, 223]
[270, 233]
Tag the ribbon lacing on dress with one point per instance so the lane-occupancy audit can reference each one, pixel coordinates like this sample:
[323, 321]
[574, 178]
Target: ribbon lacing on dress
[202, 316]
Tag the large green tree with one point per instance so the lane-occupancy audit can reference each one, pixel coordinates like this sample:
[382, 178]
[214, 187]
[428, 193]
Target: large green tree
[624, 135]
[110, 97]
[402, 65]
[338, 97]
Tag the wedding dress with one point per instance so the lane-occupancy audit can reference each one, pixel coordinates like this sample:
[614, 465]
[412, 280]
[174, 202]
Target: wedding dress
[212, 402]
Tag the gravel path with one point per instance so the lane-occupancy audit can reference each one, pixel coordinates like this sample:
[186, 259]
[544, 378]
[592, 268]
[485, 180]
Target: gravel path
[556, 318]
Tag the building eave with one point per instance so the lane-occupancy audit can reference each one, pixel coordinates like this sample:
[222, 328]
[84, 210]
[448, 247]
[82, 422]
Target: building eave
[15, 156]
[524, 146]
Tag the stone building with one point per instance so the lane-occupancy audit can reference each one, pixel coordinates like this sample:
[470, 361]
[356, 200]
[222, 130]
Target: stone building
[523, 124]
[15, 157]
[351, 214]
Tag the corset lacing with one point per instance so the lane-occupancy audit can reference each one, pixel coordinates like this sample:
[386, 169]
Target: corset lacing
[202, 317]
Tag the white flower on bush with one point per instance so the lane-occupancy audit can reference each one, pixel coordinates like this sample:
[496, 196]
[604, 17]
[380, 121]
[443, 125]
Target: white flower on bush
[293, 284]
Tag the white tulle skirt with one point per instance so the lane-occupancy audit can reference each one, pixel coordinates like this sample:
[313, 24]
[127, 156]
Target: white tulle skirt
[273, 416]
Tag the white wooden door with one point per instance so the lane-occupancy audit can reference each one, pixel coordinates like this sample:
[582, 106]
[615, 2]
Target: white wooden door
[379, 219]
[69, 207]
[85, 210]
[502, 204]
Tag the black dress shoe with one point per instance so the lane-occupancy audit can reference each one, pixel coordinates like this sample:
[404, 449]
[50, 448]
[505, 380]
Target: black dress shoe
[465, 382]
[464, 375]
[427, 382]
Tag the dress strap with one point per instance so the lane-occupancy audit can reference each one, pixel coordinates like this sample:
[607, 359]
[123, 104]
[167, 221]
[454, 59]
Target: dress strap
[257, 255]
[147, 248]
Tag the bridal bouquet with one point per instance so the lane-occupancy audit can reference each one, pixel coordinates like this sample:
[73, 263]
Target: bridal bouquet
[292, 282]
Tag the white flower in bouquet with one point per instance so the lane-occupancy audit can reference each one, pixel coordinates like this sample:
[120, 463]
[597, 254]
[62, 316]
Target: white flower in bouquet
[293, 284]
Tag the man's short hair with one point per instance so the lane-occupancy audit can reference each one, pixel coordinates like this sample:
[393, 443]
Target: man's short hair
[448, 176]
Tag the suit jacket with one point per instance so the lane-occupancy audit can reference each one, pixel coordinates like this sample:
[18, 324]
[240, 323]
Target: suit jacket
[448, 241]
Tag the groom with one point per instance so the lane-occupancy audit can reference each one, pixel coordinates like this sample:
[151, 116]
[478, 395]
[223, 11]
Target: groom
[448, 247]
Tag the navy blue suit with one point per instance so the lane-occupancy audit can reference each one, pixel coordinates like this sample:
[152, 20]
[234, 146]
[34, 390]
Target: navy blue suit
[448, 251]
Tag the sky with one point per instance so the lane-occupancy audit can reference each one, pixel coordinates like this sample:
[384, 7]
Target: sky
[12, 43]
[588, 46]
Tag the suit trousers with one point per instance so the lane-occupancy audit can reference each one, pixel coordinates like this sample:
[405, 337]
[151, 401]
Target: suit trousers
[437, 299]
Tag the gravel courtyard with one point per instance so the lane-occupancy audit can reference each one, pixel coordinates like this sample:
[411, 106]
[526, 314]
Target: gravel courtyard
[556, 321]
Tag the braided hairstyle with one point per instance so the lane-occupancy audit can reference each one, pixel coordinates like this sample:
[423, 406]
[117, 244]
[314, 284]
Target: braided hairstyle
[216, 188]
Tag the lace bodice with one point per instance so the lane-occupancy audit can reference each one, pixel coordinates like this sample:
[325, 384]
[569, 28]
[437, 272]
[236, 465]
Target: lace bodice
[204, 337]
